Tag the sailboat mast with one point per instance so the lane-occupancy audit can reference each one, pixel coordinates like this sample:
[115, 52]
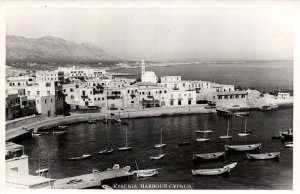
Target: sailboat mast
[160, 135]
[105, 140]
[227, 127]
[136, 165]
[245, 125]
[126, 138]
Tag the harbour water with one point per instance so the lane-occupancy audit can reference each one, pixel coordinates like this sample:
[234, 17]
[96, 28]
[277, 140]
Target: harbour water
[262, 75]
[52, 151]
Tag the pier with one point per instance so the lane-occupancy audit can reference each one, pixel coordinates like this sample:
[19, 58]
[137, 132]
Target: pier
[91, 180]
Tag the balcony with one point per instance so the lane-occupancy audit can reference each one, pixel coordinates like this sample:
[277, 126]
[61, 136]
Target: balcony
[175, 88]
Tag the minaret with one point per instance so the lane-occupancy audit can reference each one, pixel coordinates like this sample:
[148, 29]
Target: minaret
[143, 67]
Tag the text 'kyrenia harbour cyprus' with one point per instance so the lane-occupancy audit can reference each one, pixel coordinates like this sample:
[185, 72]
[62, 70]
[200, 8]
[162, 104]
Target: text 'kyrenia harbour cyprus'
[149, 96]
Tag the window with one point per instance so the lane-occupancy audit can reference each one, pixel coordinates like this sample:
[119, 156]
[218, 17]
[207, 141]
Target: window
[143, 93]
[51, 100]
[231, 96]
[102, 98]
[219, 97]
[72, 97]
[28, 93]
[236, 96]
[165, 91]
[189, 102]
[171, 102]
[95, 99]
[91, 92]
[183, 84]
[45, 101]
[48, 92]
[156, 92]
[160, 91]
[37, 101]
[71, 90]
[128, 91]
[132, 102]
[64, 90]
[179, 102]
[226, 97]
[19, 84]
[38, 93]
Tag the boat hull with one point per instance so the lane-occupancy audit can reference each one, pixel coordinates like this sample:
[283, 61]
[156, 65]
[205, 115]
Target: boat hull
[202, 139]
[225, 137]
[80, 158]
[264, 156]
[210, 172]
[157, 157]
[249, 147]
[106, 152]
[160, 145]
[209, 156]
[124, 149]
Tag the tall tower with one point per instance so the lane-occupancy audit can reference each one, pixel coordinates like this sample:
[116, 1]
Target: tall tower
[143, 67]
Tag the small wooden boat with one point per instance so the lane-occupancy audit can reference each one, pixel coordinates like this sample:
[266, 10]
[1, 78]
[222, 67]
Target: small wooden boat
[106, 187]
[264, 156]
[62, 126]
[211, 172]
[231, 166]
[35, 134]
[160, 156]
[59, 132]
[41, 171]
[44, 133]
[92, 121]
[160, 144]
[106, 151]
[125, 148]
[85, 156]
[124, 122]
[227, 136]
[184, 143]
[209, 156]
[74, 181]
[289, 144]
[248, 147]
[245, 133]
[215, 171]
[147, 173]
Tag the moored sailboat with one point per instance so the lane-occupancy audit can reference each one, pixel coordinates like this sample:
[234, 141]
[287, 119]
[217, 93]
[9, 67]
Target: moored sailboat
[126, 147]
[106, 150]
[248, 147]
[245, 133]
[264, 156]
[209, 156]
[160, 144]
[205, 130]
[227, 136]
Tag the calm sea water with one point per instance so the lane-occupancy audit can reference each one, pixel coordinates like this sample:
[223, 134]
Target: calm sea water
[52, 151]
[266, 75]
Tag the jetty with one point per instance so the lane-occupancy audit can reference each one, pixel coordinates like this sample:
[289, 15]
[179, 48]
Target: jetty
[91, 180]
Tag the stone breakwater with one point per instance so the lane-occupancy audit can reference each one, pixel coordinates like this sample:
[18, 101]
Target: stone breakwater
[11, 134]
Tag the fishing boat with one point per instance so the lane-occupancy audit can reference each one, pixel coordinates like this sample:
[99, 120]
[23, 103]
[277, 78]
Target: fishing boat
[106, 187]
[84, 156]
[62, 126]
[35, 134]
[289, 144]
[209, 156]
[41, 171]
[59, 132]
[264, 156]
[231, 166]
[245, 133]
[184, 143]
[106, 151]
[160, 144]
[248, 147]
[211, 172]
[205, 130]
[145, 172]
[227, 136]
[126, 146]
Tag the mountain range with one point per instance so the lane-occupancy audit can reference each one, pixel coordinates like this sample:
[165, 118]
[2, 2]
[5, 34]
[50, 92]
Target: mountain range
[52, 49]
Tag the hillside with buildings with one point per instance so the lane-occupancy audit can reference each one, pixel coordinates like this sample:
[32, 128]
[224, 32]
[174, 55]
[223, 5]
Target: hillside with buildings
[52, 49]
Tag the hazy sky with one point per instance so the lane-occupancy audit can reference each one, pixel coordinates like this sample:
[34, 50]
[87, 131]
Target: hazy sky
[166, 34]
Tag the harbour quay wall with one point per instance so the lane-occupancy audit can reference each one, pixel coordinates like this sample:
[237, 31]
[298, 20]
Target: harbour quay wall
[13, 133]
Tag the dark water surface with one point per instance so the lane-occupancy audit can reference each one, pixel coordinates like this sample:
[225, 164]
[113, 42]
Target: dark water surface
[52, 151]
[265, 75]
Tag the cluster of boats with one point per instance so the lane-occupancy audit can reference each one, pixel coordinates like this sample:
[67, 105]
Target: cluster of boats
[33, 134]
[105, 120]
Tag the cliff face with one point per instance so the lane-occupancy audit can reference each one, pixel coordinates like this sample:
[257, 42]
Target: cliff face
[51, 48]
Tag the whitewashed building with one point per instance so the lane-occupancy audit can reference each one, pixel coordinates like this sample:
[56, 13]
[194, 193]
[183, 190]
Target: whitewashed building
[148, 76]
